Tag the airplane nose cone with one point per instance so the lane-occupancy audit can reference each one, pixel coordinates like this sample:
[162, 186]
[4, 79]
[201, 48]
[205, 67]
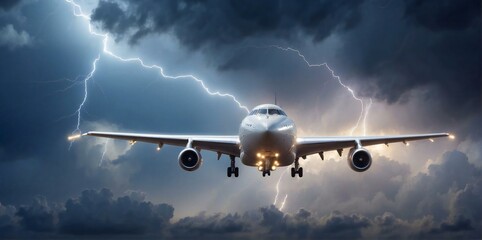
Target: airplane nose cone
[269, 127]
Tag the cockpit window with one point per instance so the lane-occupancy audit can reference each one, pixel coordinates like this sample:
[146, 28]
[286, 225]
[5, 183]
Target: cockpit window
[276, 112]
[273, 111]
[270, 111]
[262, 111]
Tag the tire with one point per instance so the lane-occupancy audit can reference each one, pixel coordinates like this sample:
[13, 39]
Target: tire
[236, 172]
[264, 174]
[229, 172]
[293, 173]
[300, 172]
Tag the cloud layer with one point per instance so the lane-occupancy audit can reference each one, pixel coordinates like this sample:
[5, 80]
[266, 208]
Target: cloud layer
[442, 202]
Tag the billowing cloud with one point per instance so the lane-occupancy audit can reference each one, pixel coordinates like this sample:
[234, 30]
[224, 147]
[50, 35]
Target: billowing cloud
[13, 39]
[98, 212]
[37, 217]
[201, 23]
[442, 203]
[421, 67]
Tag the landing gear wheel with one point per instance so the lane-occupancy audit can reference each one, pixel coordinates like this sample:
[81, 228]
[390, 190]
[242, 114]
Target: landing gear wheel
[264, 173]
[233, 169]
[297, 169]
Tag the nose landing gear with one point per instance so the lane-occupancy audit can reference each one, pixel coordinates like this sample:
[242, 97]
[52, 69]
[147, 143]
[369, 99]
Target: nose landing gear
[297, 169]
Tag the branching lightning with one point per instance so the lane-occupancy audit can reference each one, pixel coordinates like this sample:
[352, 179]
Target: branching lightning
[86, 93]
[362, 104]
[77, 11]
[364, 110]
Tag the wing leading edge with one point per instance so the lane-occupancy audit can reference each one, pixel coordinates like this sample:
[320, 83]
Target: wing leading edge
[314, 145]
[222, 144]
[229, 145]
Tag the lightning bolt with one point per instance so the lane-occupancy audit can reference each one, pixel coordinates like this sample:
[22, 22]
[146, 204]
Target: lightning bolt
[338, 78]
[78, 12]
[364, 111]
[103, 153]
[277, 187]
[86, 94]
[283, 203]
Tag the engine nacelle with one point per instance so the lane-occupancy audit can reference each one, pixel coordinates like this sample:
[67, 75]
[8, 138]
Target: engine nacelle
[190, 159]
[359, 159]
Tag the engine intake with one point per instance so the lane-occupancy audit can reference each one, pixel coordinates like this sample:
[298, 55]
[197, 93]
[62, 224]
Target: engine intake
[359, 159]
[190, 159]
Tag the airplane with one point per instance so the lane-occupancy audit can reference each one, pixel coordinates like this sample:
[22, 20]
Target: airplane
[267, 140]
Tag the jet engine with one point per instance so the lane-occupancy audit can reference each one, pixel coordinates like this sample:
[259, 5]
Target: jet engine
[190, 159]
[359, 159]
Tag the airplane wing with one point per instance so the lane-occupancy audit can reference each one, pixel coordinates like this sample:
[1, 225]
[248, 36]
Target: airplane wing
[222, 144]
[313, 145]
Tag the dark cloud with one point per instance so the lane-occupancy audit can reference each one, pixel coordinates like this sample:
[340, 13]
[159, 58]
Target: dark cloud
[7, 220]
[98, 212]
[200, 23]
[432, 47]
[393, 57]
[443, 15]
[8, 4]
[37, 217]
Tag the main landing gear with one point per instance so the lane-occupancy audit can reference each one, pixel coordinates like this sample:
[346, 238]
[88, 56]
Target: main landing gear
[233, 169]
[296, 170]
[266, 172]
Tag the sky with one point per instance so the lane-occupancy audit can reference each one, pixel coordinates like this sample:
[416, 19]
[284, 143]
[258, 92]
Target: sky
[368, 67]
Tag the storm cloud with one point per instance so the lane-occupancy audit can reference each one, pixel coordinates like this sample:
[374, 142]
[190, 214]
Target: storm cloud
[418, 60]
[200, 23]
[97, 212]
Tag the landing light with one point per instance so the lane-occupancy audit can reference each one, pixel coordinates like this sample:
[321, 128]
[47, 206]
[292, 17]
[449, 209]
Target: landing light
[158, 148]
[132, 142]
[260, 168]
[273, 168]
[276, 154]
[73, 137]
[451, 136]
[258, 154]
[259, 163]
[431, 140]
[276, 163]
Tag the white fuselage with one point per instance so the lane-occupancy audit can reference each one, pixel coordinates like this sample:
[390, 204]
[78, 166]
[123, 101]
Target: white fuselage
[266, 138]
